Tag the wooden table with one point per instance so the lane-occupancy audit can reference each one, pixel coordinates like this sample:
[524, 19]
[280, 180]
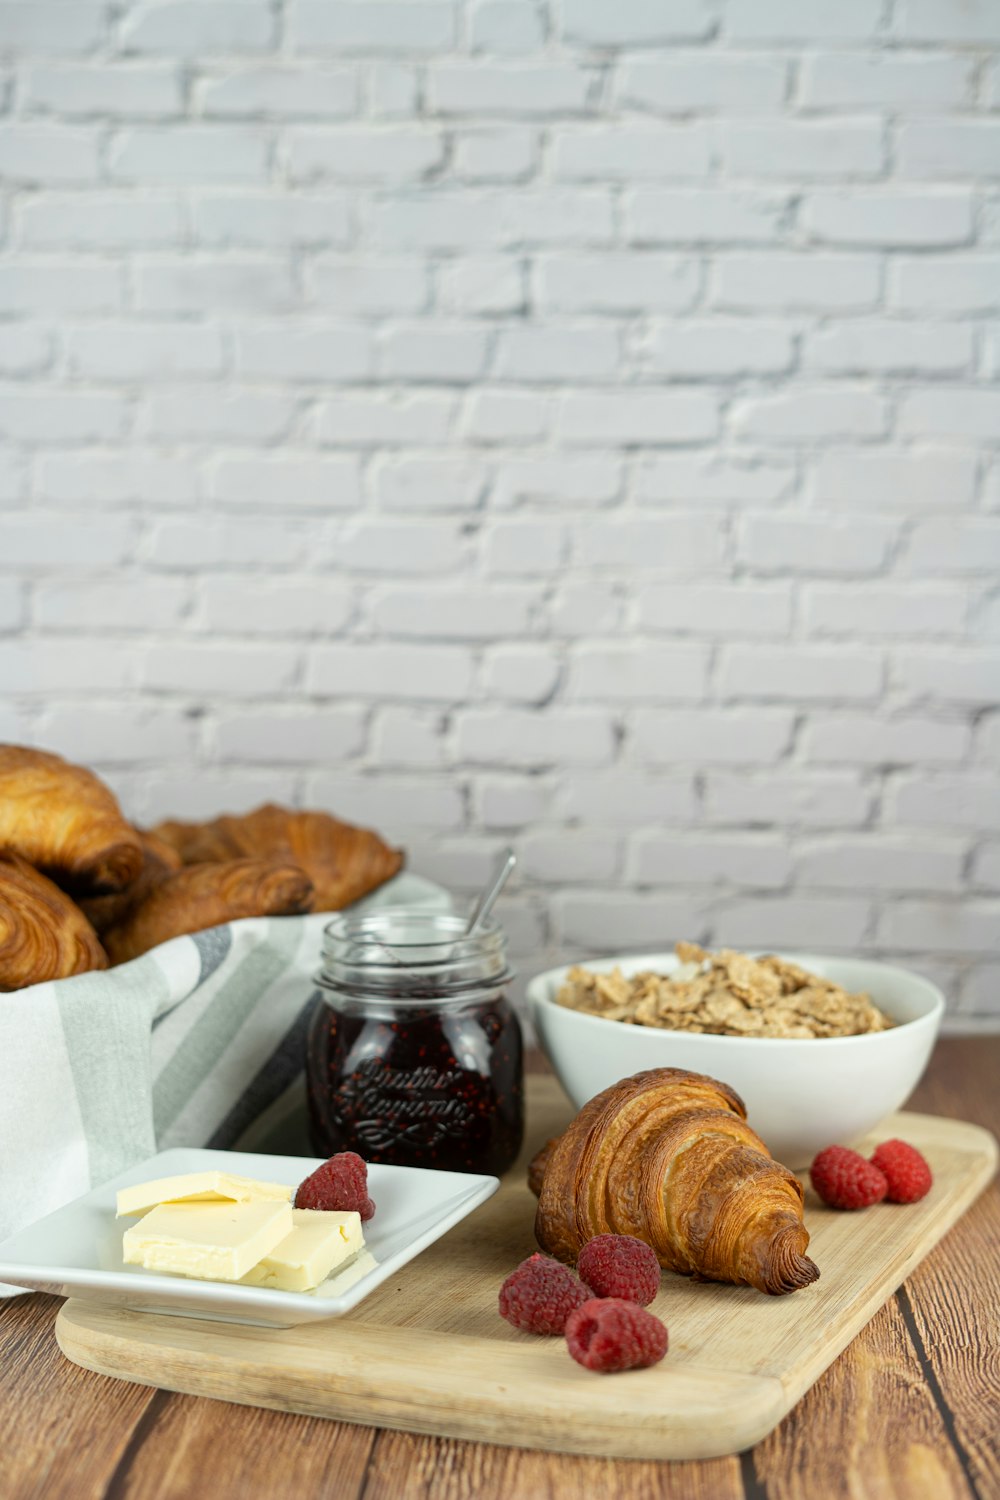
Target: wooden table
[910, 1409]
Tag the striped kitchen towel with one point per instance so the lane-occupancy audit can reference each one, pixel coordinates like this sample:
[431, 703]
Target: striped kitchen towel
[193, 1044]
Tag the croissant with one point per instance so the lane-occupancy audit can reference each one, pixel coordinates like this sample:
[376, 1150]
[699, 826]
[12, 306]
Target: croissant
[64, 820]
[667, 1156]
[201, 896]
[342, 861]
[159, 861]
[43, 935]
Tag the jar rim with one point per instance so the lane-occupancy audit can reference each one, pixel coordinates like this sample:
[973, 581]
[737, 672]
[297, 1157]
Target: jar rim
[411, 953]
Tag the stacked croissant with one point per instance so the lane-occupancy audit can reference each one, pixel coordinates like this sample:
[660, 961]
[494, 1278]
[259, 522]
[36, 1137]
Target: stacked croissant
[82, 888]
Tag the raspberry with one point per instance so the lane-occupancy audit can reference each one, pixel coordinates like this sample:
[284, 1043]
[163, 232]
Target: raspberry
[340, 1184]
[608, 1334]
[905, 1170]
[617, 1265]
[843, 1179]
[540, 1295]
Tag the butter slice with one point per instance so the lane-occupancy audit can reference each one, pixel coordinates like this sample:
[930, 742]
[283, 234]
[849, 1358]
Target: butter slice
[199, 1187]
[319, 1241]
[215, 1241]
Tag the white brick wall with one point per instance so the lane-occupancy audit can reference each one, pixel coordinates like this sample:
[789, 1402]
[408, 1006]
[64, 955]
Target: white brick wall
[558, 420]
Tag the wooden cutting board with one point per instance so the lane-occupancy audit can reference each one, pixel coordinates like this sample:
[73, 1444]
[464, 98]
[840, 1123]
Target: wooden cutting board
[428, 1352]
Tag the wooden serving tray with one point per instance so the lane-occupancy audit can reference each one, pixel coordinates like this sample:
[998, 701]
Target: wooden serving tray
[429, 1353]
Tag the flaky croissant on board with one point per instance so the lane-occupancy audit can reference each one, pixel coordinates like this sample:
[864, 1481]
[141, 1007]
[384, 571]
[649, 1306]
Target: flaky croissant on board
[63, 820]
[667, 1156]
[43, 935]
[343, 862]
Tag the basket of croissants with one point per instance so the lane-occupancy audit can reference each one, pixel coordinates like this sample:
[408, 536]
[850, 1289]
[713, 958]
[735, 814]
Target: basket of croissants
[82, 888]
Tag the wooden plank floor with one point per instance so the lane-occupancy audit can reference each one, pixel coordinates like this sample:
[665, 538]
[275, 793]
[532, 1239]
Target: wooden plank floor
[909, 1410]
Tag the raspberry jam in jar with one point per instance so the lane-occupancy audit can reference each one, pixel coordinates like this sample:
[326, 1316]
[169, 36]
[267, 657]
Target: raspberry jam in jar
[414, 1054]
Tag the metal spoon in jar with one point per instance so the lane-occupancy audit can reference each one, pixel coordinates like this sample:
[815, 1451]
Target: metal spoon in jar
[498, 879]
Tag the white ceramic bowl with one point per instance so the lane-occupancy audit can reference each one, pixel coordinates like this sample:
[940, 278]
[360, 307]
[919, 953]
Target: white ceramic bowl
[800, 1094]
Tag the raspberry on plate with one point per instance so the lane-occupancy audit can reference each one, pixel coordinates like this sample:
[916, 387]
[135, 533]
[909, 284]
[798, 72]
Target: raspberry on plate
[905, 1170]
[843, 1179]
[618, 1265]
[340, 1184]
[608, 1334]
[540, 1294]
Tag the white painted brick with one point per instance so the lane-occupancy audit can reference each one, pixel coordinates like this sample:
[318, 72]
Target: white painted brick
[518, 546]
[581, 610]
[950, 412]
[624, 798]
[505, 26]
[859, 739]
[708, 478]
[26, 349]
[433, 351]
[240, 219]
[637, 674]
[563, 479]
[407, 737]
[778, 543]
[786, 21]
[198, 793]
[282, 351]
[195, 27]
[75, 666]
[713, 609]
[787, 798]
[647, 416]
[45, 416]
[878, 217]
[392, 804]
[390, 671]
[308, 605]
[97, 734]
[953, 283]
[166, 284]
[801, 282]
[504, 154]
[943, 148]
[859, 80]
[456, 613]
[848, 610]
[720, 347]
[289, 737]
[59, 286]
[569, 857]
[414, 26]
[800, 673]
[401, 547]
[462, 88]
[384, 153]
[101, 603]
[861, 347]
[756, 860]
[711, 216]
[636, 281]
[577, 217]
[143, 351]
[188, 154]
[100, 221]
[627, 151]
[959, 544]
[367, 287]
[697, 81]
[41, 26]
[986, 866]
[12, 613]
[941, 21]
[557, 352]
[828, 923]
[138, 91]
[489, 284]
[950, 801]
[846, 148]
[506, 416]
[295, 481]
[48, 154]
[287, 93]
[430, 482]
[520, 674]
[803, 414]
[207, 412]
[230, 542]
[879, 862]
[230, 671]
[435, 221]
[635, 22]
[393, 90]
[610, 921]
[126, 476]
[518, 737]
[12, 477]
[981, 992]
[57, 539]
[942, 926]
[713, 736]
[894, 479]
[951, 676]
[502, 802]
[371, 419]
[671, 544]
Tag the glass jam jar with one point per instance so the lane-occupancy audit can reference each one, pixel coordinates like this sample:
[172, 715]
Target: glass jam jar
[414, 1054]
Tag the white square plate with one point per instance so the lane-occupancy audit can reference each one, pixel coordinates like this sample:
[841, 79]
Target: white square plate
[77, 1251]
